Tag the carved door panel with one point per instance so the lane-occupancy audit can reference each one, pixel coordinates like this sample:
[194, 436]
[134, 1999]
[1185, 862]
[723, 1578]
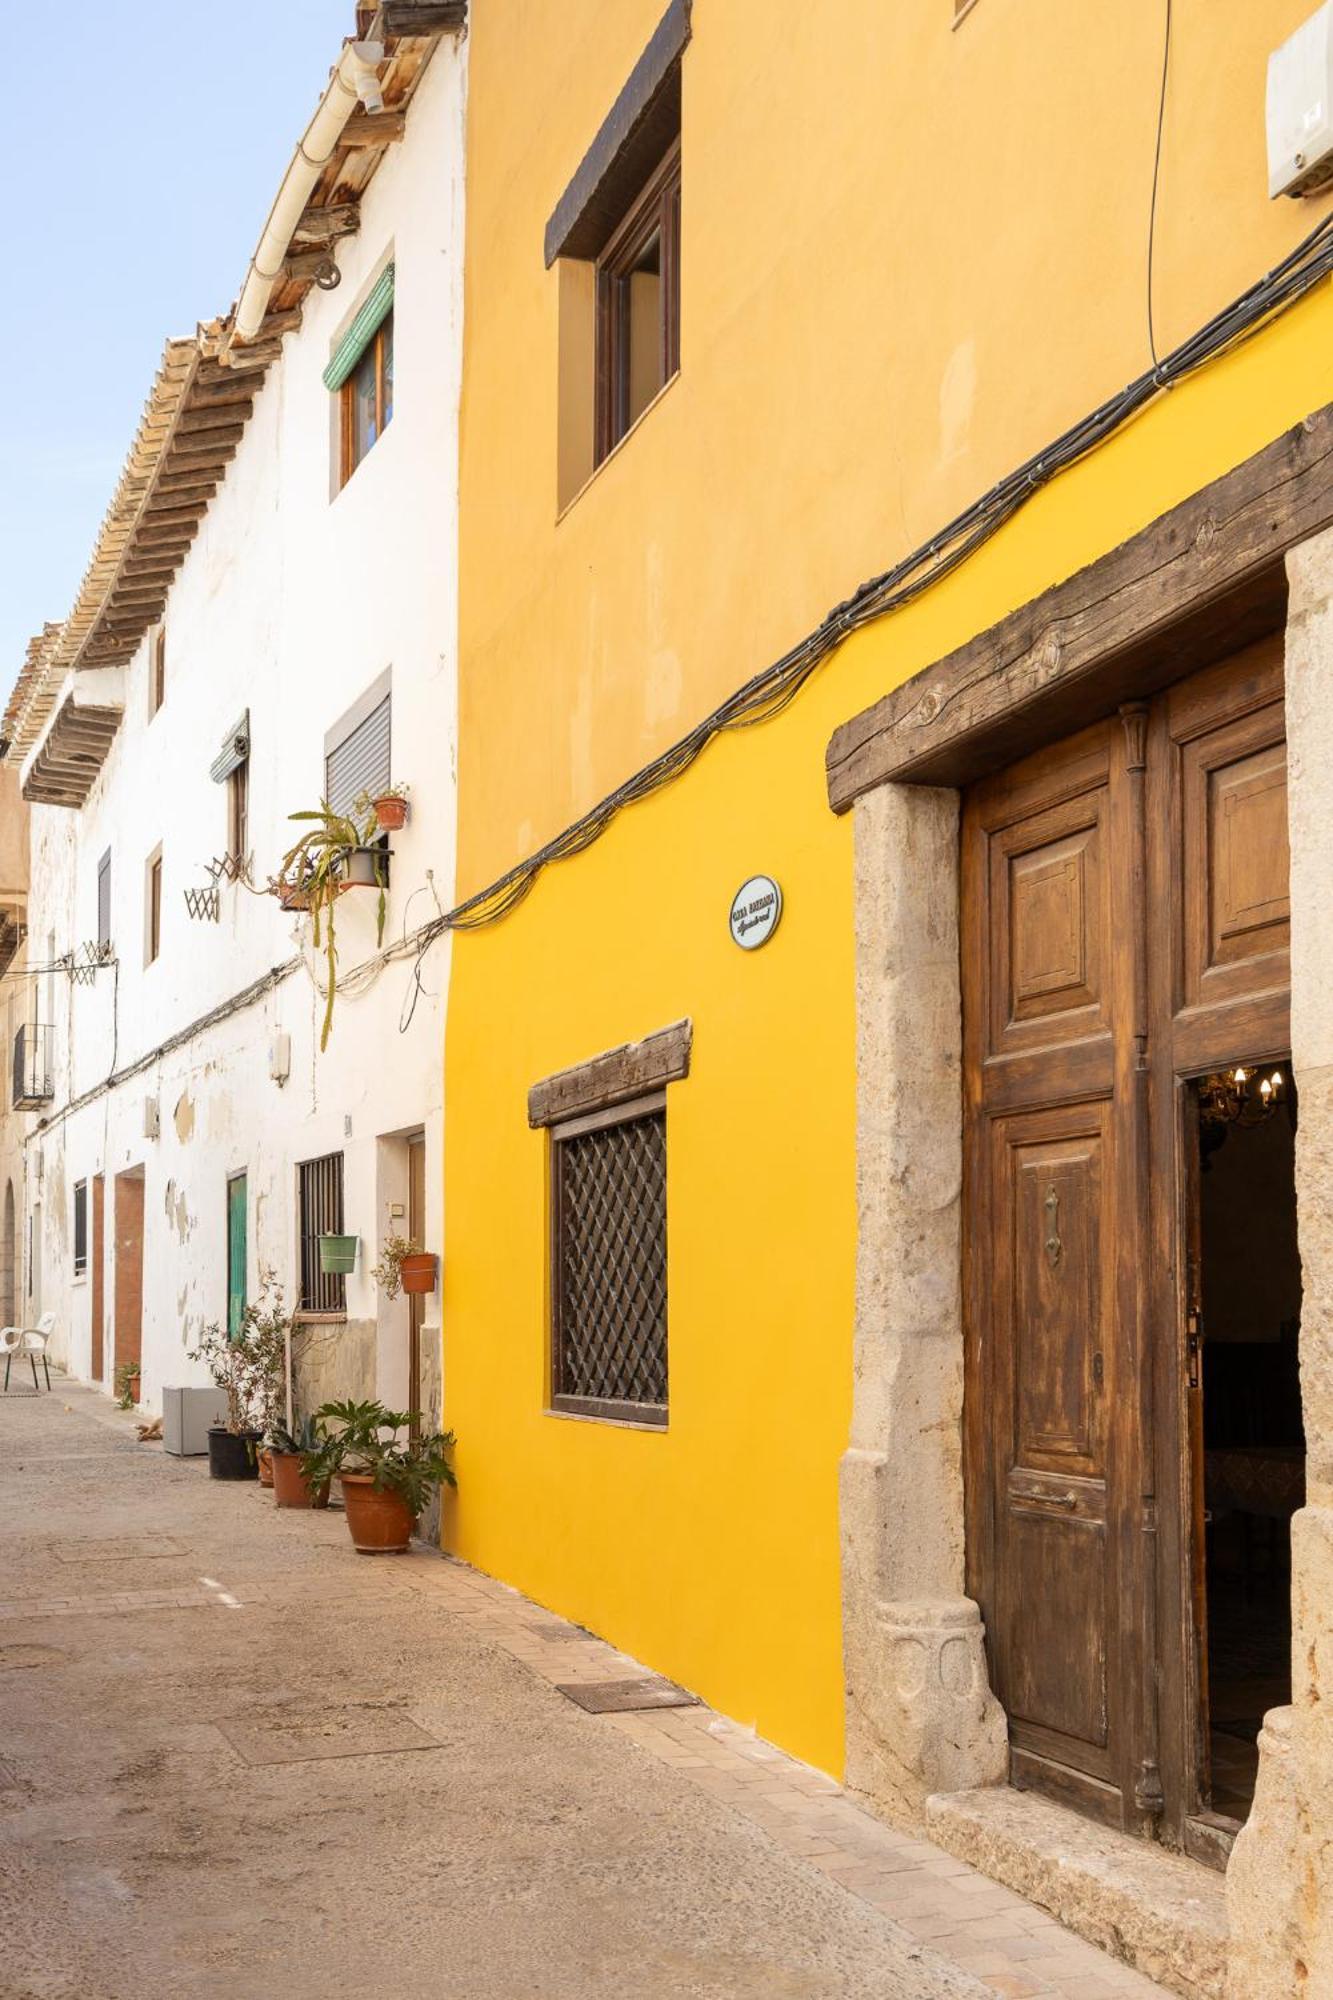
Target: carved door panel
[1054, 1441]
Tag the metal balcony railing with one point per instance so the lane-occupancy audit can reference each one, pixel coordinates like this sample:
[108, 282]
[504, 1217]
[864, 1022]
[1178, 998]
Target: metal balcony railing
[33, 1082]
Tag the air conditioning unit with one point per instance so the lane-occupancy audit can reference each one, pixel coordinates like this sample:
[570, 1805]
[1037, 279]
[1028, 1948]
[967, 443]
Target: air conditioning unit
[1300, 108]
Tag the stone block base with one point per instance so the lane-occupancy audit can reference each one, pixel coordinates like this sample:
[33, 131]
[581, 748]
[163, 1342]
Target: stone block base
[1159, 1912]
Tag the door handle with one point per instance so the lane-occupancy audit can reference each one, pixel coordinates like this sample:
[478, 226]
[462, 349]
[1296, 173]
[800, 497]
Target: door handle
[1048, 1499]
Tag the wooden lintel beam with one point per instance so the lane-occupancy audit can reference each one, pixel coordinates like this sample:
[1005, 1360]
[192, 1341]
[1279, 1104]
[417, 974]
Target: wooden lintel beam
[373, 128]
[1206, 576]
[325, 225]
[422, 17]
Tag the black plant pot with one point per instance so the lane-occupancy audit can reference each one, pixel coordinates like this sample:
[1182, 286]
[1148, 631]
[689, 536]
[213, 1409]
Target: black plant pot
[233, 1454]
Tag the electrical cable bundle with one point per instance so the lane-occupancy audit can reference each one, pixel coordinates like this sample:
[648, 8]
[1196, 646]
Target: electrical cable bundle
[775, 686]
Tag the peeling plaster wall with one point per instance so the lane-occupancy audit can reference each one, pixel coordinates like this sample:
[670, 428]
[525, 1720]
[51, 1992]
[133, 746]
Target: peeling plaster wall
[290, 604]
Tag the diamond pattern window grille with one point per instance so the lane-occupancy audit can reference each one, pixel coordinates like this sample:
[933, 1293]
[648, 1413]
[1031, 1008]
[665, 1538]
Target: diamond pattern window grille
[610, 1286]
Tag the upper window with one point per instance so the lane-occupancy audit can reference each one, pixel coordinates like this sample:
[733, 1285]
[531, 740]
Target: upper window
[80, 1228]
[157, 671]
[615, 234]
[152, 944]
[231, 767]
[638, 306]
[356, 749]
[104, 901]
[360, 374]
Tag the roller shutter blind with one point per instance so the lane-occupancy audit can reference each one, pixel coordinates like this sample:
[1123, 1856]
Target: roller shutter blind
[360, 763]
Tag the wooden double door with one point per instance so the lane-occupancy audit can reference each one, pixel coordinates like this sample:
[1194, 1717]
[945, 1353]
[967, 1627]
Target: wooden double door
[1125, 931]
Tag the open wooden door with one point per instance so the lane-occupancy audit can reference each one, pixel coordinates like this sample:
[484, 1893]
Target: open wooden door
[1124, 930]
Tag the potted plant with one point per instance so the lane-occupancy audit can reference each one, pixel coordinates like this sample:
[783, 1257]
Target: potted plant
[233, 1446]
[335, 853]
[249, 1367]
[404, 1267]
[386, 1477]
[389, 807]
[291, 1488]
[127, 1385]
[337, 1253]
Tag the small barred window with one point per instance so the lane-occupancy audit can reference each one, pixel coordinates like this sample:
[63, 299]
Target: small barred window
[609, 1289]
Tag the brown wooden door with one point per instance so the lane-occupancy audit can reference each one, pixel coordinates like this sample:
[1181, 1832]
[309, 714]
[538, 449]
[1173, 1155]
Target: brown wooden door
[416, 1304]
[98, 1284]
[1123, 905]
[1219, 952]
[128, 1308]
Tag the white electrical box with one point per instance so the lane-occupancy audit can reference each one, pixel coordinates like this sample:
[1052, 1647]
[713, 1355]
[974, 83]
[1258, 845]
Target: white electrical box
[1300, 108]
[280, 1058]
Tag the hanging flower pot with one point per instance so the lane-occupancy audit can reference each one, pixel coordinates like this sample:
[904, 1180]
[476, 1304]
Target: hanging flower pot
[390, 811]
[364, 868]
[416, 1271]
[293, 896]
[337, 1254]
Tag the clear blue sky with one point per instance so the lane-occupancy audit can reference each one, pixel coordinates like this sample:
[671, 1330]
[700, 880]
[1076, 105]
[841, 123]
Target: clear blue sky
[145, 147]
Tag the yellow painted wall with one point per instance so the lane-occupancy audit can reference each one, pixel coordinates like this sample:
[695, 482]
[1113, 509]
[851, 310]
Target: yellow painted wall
[910, 256]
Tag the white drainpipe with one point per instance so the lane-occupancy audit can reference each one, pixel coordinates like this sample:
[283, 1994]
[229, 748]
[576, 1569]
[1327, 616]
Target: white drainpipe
[353, 82]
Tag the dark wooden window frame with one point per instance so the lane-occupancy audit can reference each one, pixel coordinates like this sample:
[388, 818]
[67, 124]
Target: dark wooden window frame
[348, 460]
[80, 1228]
[153, 909]
[157, 671]
[238, 812]
[618, 1087]
[655, 211]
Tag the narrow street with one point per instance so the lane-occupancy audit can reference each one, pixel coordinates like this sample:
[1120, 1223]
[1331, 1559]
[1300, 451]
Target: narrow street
[236, 1759]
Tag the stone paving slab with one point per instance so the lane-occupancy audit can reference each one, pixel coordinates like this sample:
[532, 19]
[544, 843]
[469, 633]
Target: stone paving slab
[538, 1853]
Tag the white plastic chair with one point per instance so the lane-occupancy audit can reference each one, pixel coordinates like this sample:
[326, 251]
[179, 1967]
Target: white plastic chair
[29, 1340]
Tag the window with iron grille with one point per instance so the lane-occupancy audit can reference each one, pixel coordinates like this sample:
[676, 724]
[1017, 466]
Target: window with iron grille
[80, 1228]
[609, 1281]
[320, 1203]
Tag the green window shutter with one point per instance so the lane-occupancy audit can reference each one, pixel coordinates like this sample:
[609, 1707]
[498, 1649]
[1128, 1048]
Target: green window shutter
[361, 332]
[237, 1190]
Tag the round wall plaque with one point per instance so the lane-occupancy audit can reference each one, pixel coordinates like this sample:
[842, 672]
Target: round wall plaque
[755, 910]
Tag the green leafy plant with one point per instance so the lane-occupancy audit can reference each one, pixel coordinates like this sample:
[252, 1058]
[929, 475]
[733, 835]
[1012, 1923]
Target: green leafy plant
[126, 1376]
[388, 1273]
[394, 1462]
[250, 1365]
[313, 874]
[293, 1441]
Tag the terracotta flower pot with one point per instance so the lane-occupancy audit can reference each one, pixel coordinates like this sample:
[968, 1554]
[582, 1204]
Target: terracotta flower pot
[379, 1523]
[417, 1271]
[291, 1488]
[390, 813]
[265, 1466]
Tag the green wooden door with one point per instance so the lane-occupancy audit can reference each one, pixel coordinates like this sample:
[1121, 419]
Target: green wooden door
[236, 1253]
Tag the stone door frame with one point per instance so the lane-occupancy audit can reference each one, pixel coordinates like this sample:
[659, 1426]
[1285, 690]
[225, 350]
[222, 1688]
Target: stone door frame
[1250, 554]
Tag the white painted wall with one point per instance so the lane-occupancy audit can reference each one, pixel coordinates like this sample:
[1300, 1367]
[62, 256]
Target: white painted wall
[291, 602]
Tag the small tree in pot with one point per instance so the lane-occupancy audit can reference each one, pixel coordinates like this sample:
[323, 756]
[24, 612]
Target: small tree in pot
[249, 1366]
[386, 1477]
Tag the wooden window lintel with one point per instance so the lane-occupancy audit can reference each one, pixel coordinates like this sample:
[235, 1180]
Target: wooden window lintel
[615, 1077]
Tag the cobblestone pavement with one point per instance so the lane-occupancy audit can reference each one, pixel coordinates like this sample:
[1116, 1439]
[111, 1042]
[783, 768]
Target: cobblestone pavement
[237, 1759]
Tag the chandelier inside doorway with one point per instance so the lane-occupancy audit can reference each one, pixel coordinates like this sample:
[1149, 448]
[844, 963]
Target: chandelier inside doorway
[1245, 1095]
